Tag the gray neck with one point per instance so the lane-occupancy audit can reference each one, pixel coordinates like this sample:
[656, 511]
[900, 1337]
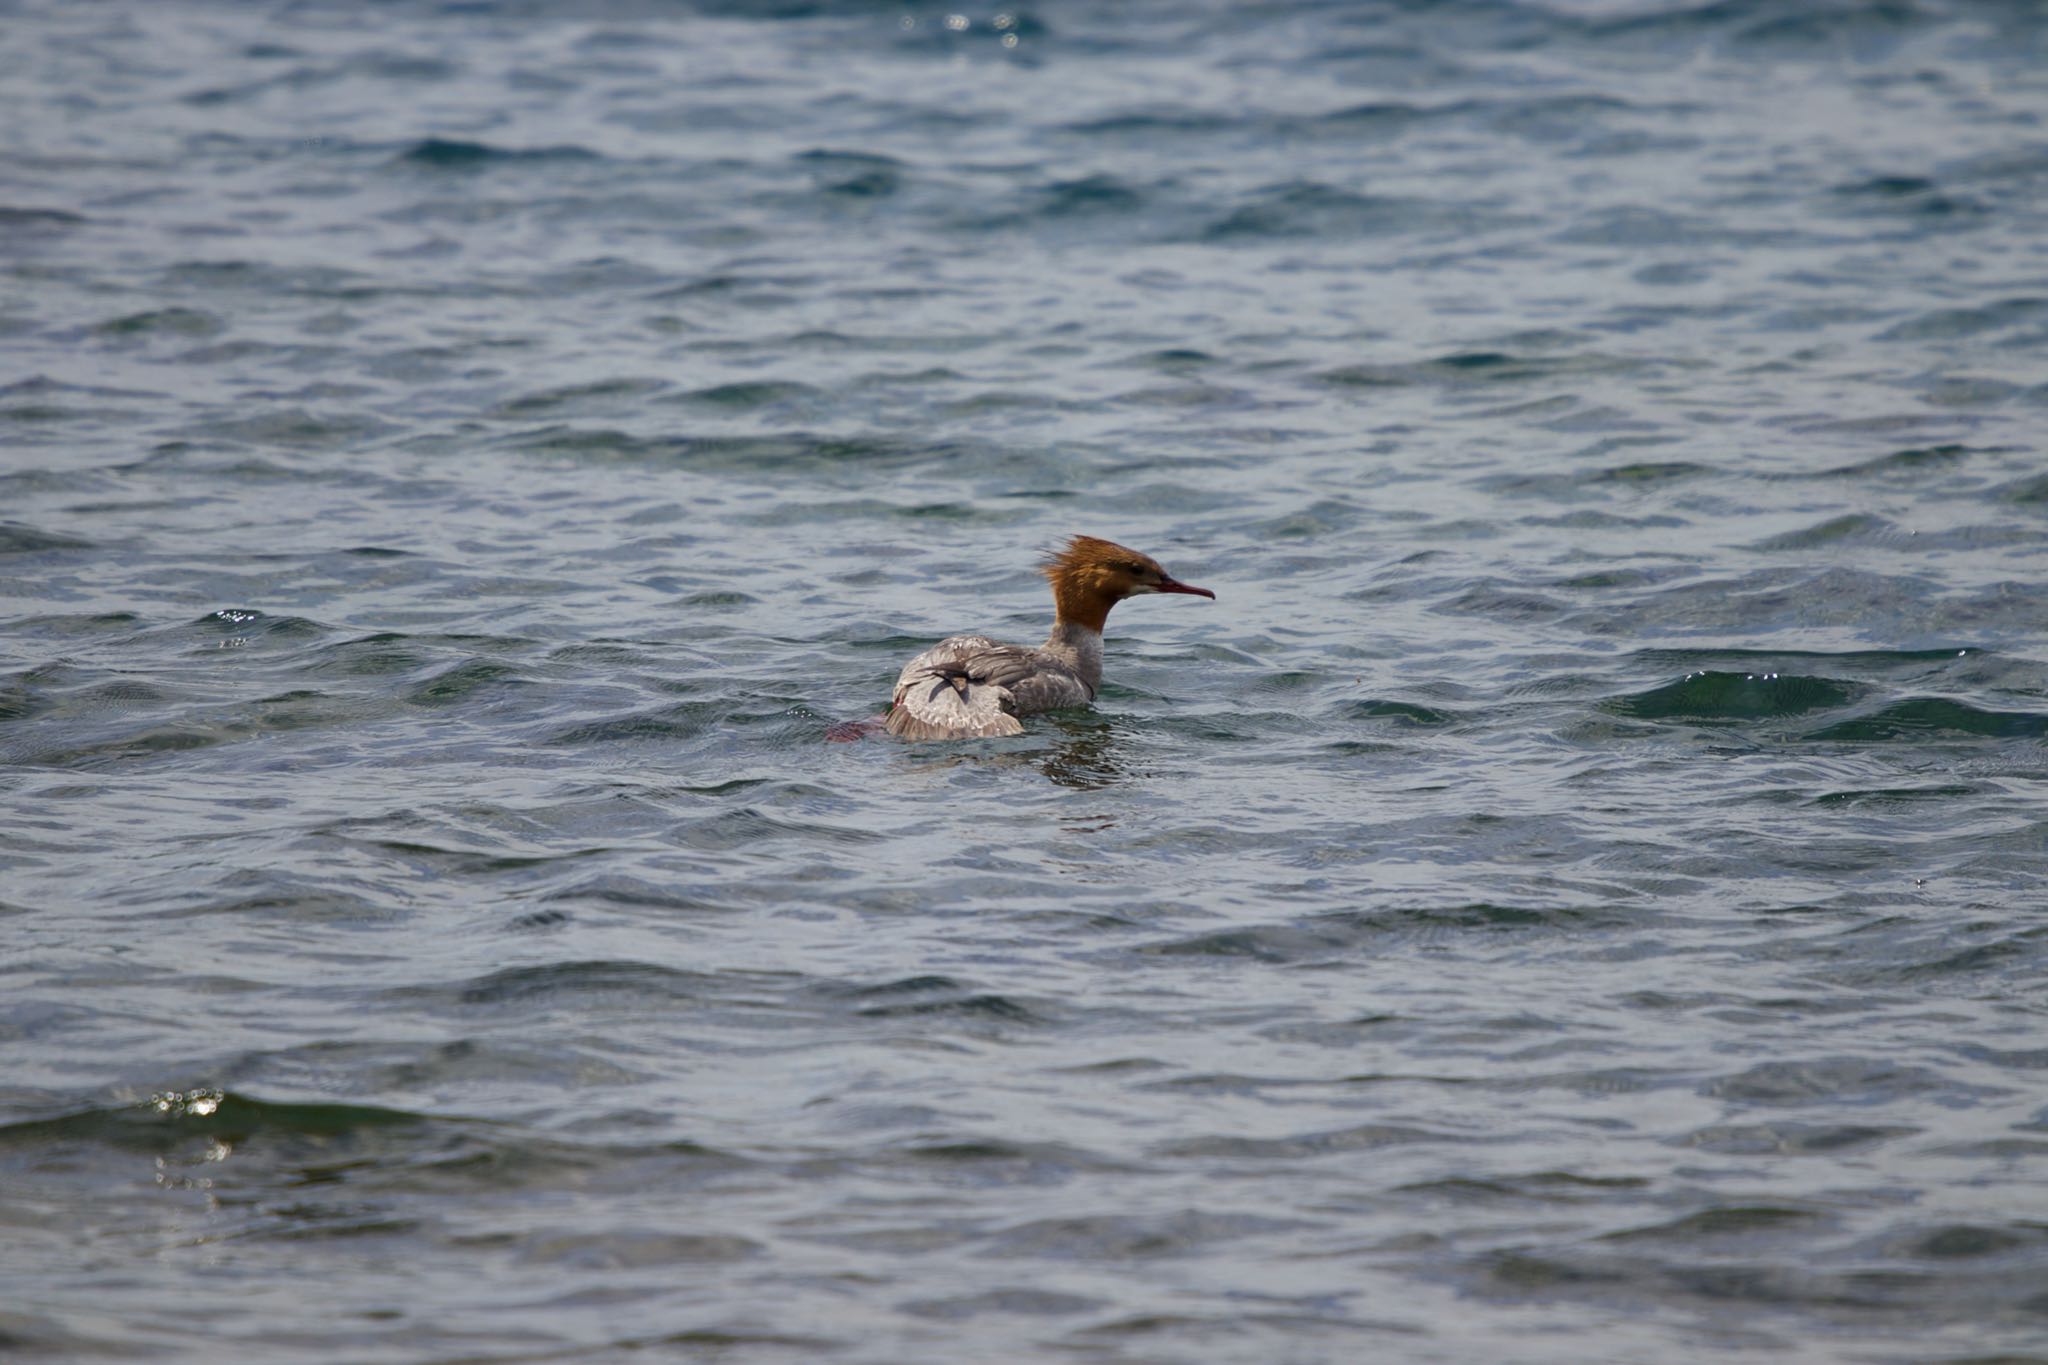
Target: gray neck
[1080, 649]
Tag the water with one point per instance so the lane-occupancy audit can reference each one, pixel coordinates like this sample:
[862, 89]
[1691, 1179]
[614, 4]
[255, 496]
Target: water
[1576, 896]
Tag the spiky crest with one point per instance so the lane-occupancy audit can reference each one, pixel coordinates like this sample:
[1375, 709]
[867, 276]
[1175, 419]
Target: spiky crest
[1090, 575]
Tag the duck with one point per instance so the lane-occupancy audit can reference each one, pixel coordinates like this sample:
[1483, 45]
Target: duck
[974, 687]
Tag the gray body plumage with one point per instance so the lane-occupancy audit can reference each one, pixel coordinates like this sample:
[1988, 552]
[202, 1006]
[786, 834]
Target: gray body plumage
[970, 685]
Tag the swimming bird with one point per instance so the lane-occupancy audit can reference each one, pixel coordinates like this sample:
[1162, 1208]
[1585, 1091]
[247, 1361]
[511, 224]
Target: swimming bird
[971, 686]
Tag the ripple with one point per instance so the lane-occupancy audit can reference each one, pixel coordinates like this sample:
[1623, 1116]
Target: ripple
[1823, 1080]
[609, 985]
[1958, 1241]
[1794, 1139]
[937, 996]
[1336, 935]
[27, 540]
[1913, 461]
[1734, 698]
[1108, 1239]
[174, 322]
[1919, 717]
[35, 221]
[465, 681]
[456, 154]
[1312, 210]
[1407, 713]
[1367, 1137]
[1952, 323]
[1462, 369]
[1015, 1302]
[750, 394]
[172, 1119]
[1717, 1224]
[1855, 528]
[609, 392]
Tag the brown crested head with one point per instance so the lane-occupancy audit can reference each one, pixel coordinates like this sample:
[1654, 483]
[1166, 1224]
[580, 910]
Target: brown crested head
[1089, 576]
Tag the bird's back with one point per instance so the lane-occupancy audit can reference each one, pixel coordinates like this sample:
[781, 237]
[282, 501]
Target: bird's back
[971, 686]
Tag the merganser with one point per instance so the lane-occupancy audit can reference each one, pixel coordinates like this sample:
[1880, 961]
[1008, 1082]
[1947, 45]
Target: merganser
[970, 686]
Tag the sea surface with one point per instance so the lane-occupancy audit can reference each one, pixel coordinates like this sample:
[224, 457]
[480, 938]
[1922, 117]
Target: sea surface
[1579, 894]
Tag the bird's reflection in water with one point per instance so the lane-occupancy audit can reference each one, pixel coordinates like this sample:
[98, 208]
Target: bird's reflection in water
[1087, 755]
[1085, 751]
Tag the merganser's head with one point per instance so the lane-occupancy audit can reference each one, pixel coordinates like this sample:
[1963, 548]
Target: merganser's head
[1090, 576]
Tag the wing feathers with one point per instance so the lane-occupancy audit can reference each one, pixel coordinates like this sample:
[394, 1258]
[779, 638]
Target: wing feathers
[970, 687]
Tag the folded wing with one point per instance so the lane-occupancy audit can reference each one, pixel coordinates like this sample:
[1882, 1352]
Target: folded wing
[959, 689]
